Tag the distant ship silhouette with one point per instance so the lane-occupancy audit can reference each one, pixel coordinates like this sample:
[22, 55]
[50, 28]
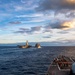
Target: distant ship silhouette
[37, 45]
[25, 46]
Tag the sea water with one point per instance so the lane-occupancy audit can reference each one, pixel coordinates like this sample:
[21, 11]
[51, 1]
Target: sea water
[31, 61]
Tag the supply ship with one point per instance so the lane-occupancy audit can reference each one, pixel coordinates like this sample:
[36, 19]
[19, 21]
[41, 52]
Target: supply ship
[25, 46]
[37, 45]
[60, 66]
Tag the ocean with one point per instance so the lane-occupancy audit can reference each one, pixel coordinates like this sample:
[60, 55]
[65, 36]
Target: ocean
[31, 61]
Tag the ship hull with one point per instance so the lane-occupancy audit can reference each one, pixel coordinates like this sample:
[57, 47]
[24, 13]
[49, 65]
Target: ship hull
[24, 46]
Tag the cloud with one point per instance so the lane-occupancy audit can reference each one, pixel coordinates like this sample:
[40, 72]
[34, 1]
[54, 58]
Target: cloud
[35, 17]
[63, 32]
[22, 32]
[70, 14]
[27, 2]
[31, 15]
[24, 8]
[56, 5]
[34, 21]
[24, 29]
[47, 36]
[18, 8]
[59, 7]
[56, 25]
[68, 24]
[47, 28]
[65, 25]
[18, 5]
[38, 28]
[25, 5]
[32, 30]
[62, 25]
[64, 12]
[66, 41]
[15, 22]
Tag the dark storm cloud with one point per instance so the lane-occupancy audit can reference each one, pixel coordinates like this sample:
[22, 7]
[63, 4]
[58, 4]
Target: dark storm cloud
[56, 5]
[56, 25]
[66, 7]
[65, 25]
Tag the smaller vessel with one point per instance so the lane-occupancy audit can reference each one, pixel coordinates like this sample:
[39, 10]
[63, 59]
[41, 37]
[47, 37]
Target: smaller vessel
[37, 45]
[25, 46]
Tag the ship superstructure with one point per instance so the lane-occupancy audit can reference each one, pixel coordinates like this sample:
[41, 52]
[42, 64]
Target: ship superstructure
[25, 46]
[60, 66]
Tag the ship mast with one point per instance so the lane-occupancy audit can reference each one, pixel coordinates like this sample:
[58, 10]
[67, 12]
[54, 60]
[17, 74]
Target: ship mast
[27, 43]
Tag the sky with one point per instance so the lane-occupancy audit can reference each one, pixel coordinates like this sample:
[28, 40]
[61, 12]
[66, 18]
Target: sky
[37, 21]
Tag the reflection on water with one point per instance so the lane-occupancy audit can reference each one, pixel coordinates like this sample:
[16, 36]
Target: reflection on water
[15, 61]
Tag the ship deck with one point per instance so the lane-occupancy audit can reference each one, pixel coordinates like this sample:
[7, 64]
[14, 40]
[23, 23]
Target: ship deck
[53, 70]
[60, 66]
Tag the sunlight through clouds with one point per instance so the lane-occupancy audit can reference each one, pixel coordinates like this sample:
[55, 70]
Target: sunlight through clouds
[48, 20]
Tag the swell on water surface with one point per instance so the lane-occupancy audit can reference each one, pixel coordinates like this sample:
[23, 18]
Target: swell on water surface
[32, 61]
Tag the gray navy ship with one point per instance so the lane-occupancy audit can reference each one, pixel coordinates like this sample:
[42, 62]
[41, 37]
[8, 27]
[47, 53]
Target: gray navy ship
[37, 45]
[62, 65]
[25, 46]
